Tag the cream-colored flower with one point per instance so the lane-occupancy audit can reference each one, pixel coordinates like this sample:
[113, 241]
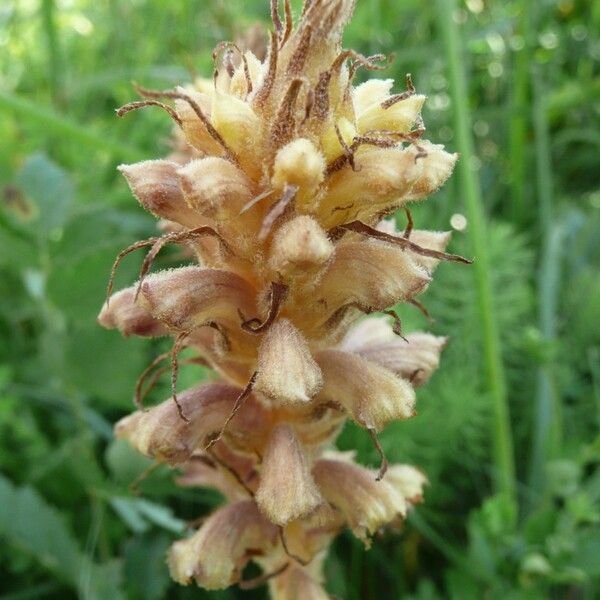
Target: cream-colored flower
[281, 175]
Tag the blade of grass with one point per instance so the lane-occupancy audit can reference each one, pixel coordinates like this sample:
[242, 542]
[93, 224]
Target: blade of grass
[547, 421]
[469, 182]
[55, 70]
[519, 117]
[61, 126]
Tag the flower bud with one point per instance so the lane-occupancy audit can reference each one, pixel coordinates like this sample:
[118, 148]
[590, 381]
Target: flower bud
[371, 331]
[156, 185]
[383, 178]
[437, 166]
[330, 141]
[122, 313]
[239, 84]
[193, 128]
[300, 247]
[382, 275]
[414, 359]
[214, 187]
[235, 121]
[372, 91]
[299, 163]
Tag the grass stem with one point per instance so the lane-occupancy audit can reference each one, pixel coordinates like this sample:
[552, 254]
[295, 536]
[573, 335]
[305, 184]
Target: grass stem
[547, 431]
[471, 192]
[55, 71]
[519, 121]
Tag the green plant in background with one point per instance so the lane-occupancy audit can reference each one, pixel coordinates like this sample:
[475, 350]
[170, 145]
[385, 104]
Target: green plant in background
[63, 380]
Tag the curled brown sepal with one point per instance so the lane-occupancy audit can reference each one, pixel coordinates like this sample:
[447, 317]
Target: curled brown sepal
[369, 63]
[278, 296]
[140, 393]
[397, 327]
[286, 549]
[120, 257]
[422, 309]
[123, 110]
[409, 223]
[171, 238]
[256, 582]
[410, 91]
[377, 138]
[239, 402]
[181, 95]
[384, 461]
[157, 244]
[175, 371]
[276, 211]
[364, 229]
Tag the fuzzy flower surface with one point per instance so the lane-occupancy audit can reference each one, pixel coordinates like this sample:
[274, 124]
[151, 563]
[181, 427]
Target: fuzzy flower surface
[278, 192]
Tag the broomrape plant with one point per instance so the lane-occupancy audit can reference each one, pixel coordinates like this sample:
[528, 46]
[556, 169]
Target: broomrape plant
[284, 175]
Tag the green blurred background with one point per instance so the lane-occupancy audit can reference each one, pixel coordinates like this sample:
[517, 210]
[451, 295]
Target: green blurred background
[507, 429]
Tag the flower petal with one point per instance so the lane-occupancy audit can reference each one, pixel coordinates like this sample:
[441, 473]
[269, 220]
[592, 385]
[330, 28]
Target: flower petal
[122, 313]
[161, 433]
[287, 373]
[366, 504]
[286, 490]
[372, 395]
[414, 359]
[216, 554]
[189, 297]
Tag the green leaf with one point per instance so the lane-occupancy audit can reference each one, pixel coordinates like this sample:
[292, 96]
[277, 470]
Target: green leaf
[136, 512]
[160, 515]
[29, 523]
[49, 188]
[127, 509]
[145, 566]
[104, 582]
[102, 363]
[125, 463]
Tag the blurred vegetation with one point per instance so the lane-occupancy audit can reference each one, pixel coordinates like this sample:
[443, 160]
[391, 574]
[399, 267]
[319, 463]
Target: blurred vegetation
[507, 429]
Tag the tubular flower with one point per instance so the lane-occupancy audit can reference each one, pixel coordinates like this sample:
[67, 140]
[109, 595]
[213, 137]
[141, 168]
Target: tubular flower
[282, 176]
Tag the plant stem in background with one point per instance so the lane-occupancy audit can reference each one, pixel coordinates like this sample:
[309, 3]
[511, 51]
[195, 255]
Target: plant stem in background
[519, 117]
[547, 417]
[470, 189]
[54, 61]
